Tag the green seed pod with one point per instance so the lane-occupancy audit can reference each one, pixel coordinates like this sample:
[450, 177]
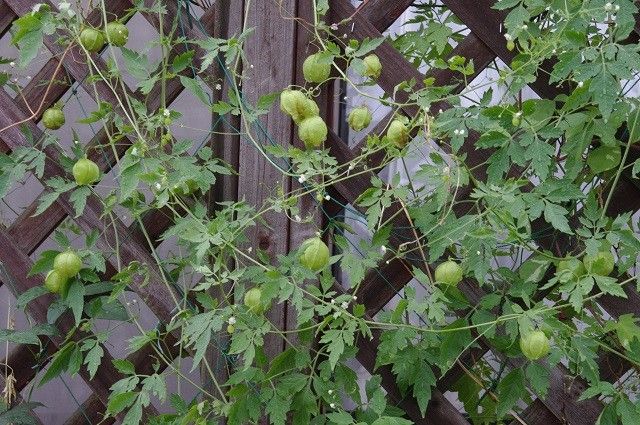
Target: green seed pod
[314, 70]
[372, 66]
[602, 263]
[67, 263]
[55, 282]
[297, 105]
[313, 132]
[253, 300]
[534, 345]
[53, 118]
[314, 254]
[511, 45]
[92, 40]
[449, 273]
[359, 118]
[398, 133]
[117, 33]
[85, 171]
[571, 268]
[231, 329]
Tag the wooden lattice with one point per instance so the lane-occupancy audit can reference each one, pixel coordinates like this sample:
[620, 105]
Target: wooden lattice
[483, 45]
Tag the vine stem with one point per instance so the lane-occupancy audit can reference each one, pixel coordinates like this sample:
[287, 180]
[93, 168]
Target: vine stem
[46, 93]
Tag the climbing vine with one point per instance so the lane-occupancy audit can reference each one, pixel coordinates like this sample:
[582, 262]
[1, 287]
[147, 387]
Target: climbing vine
[513, 255]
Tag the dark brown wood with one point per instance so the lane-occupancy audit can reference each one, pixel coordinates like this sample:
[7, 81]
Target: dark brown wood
[89, 412]
[383, 13]
[6, 17]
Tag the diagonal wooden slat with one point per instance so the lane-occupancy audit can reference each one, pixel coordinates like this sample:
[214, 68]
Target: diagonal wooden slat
[6, 17]
[383, 13]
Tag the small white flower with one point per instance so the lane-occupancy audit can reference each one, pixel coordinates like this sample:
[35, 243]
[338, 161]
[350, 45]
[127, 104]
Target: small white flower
[344, 305]
[354, 298]
[12, 64]
[617, 7]
[554, 51]
[76, 142]
[334, 27]
[518, 114]
[344, 35]
[383, 249]
[333, 301]
[158, 186]
[327, 197]
[580, 83]
[251, 66]
[524, 27]
[297, 218]
[477, 252]
[456, 132]
[134, 301]
[608, 6]
[386, 262]
[28, 77]
[351, 167]
[36, 8]
[302, 178]
[218, 86]
[250, 249]
[134, 150]
[167, 112]
[461, 132]
[330, 392]
[332, 405]
[508, 37]
[446, 170]
[232, 320]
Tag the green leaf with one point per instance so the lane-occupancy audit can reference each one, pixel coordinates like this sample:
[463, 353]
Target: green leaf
[59, 363]
[20, 414]
[557, 216]
[182, 61]
[604, 158]
[29, 336]
[119, 402]
[44, 263]
[538, 376]
[93, 358]
[368, 45]
[124, 366]
[28, 36]
[29, 295]
[628, 412]
[425, 379]
[510, 389]
[194, 87]
[75, 299]
[340, 418]
[79, 199]
[136, 63]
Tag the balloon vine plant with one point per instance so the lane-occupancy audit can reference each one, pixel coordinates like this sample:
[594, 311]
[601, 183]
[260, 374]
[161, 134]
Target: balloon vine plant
[530, 229]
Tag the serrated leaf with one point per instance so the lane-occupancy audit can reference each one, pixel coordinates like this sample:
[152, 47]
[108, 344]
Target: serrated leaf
[510, 389]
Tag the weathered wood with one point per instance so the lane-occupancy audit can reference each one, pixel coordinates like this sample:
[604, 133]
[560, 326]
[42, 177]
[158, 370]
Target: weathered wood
[6, 17]
[383, 13]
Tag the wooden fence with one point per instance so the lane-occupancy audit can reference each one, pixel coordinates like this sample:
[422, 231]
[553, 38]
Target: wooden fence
[483, 45]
